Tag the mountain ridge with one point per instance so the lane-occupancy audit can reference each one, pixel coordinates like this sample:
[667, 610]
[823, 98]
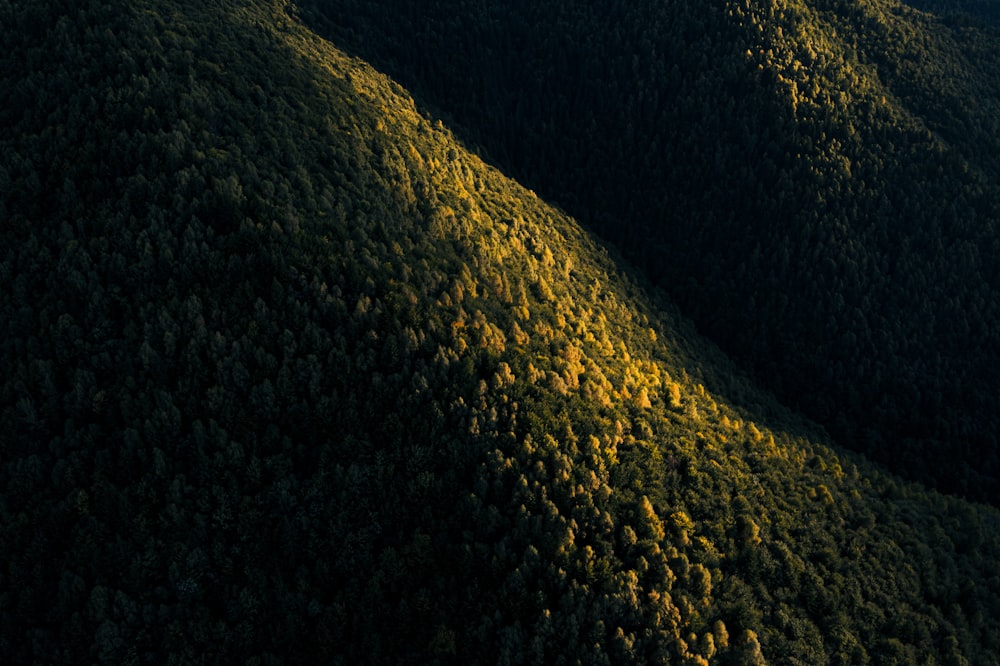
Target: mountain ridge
[810, 181]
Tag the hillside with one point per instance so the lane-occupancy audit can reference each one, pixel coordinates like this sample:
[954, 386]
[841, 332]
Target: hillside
[292, 376]
[814, 182]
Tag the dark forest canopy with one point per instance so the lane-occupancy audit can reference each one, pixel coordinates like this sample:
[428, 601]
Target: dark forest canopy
[815, 182]
[291, 376]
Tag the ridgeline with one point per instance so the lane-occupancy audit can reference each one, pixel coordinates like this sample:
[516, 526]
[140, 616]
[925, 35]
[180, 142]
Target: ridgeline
[814, 182]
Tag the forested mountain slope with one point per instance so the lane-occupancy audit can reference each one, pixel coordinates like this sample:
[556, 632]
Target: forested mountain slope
[815, 182]
[290, 376]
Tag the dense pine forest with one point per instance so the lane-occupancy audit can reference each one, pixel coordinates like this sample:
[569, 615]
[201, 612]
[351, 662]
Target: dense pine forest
[815, 182]
[292, 375]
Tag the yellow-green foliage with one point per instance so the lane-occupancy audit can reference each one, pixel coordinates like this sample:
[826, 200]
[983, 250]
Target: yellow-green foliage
[813, 181]
[309, 381]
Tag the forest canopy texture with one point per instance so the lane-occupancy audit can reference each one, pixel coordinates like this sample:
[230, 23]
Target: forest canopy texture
[815, 182]
[290, 375]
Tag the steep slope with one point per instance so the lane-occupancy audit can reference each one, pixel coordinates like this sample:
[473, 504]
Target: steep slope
[814, 182]
[293, 377]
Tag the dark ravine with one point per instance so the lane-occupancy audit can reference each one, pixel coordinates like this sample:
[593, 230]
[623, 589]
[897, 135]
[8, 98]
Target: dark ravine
[292, 376]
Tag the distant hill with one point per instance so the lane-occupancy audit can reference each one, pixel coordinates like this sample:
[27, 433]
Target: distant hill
[815, 182]
[292, 376]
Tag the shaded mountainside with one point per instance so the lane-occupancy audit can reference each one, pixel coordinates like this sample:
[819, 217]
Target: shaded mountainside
[293, 377]
[814, 182]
